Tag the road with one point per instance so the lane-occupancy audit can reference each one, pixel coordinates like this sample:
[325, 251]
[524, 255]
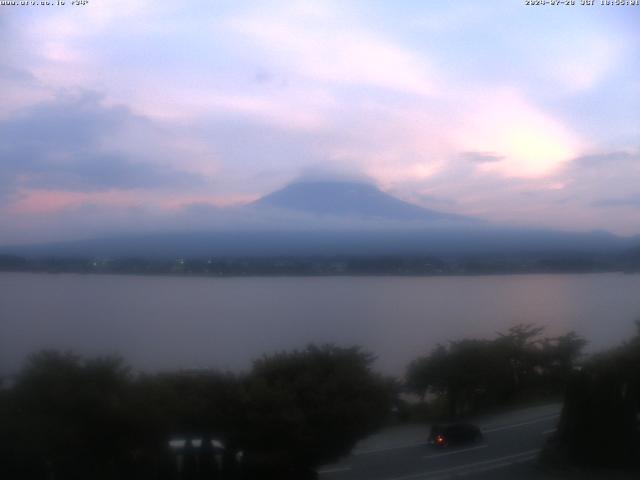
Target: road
[512, 443]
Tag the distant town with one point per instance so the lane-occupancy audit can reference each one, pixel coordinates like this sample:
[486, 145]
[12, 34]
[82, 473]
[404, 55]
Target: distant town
[628, 262]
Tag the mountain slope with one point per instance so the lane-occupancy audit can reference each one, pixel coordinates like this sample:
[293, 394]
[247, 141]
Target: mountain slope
[332, 218]
[331, 198]
[449, 242]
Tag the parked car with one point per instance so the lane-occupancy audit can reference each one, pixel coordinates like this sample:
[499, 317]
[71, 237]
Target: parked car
[454, 434]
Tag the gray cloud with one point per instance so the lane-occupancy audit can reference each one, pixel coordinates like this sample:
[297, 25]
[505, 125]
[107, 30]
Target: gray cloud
[481, 157]
[75, 143]
[15, 74]
[104, 172]
[628, 201]
[604, 159]
[262, 76]
[426, 199]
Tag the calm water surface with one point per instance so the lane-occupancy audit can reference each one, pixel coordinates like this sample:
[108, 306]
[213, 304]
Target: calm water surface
[190, 322]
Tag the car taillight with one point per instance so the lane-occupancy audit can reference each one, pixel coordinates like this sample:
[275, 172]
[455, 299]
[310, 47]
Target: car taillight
[439, 440]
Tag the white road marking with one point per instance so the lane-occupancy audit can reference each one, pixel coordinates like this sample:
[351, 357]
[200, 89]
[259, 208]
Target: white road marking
[475, 467]
[453, 452]
[540, 417]
[547, 432]
[333, 470]
[522, 424]
[463, 470]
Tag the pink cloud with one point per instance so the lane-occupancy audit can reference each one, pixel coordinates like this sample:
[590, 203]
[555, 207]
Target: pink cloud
[31, 202]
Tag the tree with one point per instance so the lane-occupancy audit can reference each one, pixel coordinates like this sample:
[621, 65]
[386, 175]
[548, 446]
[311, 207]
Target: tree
[521, 347]
[429, 373]
[559, 356]
[309, 407]
[599, 421]
[468, 373]
[189, 404]
[472, 374]
[67, 417]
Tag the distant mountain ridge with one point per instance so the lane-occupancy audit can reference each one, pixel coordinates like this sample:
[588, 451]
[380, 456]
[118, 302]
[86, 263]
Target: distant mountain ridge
[311, 218]
[345, 198]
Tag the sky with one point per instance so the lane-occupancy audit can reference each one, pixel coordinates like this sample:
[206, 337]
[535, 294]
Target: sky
[123, 115]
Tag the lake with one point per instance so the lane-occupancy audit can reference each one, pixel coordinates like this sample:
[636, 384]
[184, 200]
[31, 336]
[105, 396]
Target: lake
[195, 322]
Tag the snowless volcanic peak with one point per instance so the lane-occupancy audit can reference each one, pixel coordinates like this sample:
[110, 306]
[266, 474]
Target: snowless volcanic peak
[345, 198]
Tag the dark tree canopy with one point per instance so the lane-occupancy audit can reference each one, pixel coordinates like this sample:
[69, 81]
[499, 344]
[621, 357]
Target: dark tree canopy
[75, 418]
[473, 374]
[599, 422]
[66, 415]
[315, 403]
